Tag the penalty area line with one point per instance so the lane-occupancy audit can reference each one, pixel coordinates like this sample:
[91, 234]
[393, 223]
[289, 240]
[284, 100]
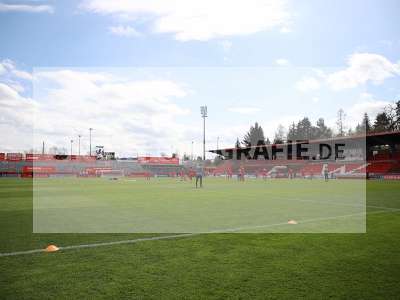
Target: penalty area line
[183, 235]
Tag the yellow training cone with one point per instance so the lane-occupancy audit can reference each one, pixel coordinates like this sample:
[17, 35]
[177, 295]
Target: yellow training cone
[51, 248]
[292, 222]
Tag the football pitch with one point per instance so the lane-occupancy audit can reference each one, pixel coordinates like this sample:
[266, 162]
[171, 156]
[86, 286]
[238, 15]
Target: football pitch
[255, 256]
[166, 205]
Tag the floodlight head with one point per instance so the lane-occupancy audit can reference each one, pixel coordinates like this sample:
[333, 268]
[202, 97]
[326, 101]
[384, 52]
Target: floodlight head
[203, 110]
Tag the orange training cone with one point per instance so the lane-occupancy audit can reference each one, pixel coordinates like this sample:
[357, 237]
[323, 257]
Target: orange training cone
[51, 248]
[292, 222]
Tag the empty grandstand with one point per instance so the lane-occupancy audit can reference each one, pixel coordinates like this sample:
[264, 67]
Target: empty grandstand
[45, 165]
[376, 155]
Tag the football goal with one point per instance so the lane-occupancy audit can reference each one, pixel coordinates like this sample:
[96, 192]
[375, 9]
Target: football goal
[110, 174]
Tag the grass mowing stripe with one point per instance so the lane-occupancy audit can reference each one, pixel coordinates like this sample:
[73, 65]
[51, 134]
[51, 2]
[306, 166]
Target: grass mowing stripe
[336, 203]
[166, 237]
[304, 221]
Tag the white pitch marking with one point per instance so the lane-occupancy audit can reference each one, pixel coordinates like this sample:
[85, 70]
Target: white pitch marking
[154, 238]
[166, 237]
[339, 203]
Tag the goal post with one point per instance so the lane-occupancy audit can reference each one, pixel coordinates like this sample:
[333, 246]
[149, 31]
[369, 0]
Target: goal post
[110, 174]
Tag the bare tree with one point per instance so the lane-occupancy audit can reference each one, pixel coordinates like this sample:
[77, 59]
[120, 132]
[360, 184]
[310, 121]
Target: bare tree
[341, 116]
[279, 135]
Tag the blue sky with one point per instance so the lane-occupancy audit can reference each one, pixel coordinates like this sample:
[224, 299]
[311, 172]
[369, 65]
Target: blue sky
[265, 61]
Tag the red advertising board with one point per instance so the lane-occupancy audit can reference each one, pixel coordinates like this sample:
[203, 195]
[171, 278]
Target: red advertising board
[87, 158]
[158, 160]
[392, 177]
[38, 157]
[14, 156]
[94, 171]
[47, 157]
[37, 169]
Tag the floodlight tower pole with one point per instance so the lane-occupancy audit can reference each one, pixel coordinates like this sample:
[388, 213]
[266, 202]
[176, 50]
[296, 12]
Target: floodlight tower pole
[192, 151]
[79, 145]
[72, 141]
[90, 141]
[203, 110]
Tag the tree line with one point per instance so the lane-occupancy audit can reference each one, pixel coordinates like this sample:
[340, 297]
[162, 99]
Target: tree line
[386, 120]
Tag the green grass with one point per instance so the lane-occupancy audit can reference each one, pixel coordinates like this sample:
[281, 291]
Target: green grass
[172, 206]
[218, 266]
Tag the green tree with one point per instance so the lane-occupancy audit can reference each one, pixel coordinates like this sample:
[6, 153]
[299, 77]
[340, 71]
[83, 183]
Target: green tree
[393, 114]
[365, 125]
[304, 129]
[322, 131]
[397, 113]
[237, 144]
[382, 122]
[254, 136]
[292, 133]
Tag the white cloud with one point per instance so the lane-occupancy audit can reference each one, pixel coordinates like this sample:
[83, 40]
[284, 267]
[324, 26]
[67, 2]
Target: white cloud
[15, 119]
[245, 110]
[199, 20]
[8, 67]
[368, 104]
[2, 69]
[282, 62]
[271, 125]
[372, 108]
[128, 115]
[387, 43]
[315, 99]
[22, 74]
[127, 31]
[226, 45]
[363, 68]
[7, 94]
[26, 8]
[286, 29]
[308, 84]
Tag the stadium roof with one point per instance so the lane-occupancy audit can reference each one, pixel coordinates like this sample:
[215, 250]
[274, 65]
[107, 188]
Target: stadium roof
[371, 139]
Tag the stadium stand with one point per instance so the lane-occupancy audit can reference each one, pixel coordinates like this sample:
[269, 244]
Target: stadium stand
[377, 167]
[382, 152]
[34, 165]
[381, 149]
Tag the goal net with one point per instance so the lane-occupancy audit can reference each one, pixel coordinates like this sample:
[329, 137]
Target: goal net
[110, 174]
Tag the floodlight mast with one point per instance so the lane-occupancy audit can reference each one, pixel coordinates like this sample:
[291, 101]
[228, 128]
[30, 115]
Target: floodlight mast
[192, 151]
[79, 145]
[72, 141]
[90, 141]
[203, 111]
